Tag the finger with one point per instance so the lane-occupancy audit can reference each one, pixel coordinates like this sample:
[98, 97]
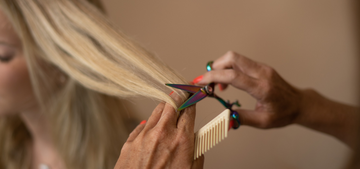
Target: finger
[254, 118]
[235, 78]
[186, 121]
[169, 115]
[232, 60]
[155, 116]
[198, 163]
[135, 132]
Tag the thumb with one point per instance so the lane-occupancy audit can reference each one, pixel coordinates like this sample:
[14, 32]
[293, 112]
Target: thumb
[254, 118]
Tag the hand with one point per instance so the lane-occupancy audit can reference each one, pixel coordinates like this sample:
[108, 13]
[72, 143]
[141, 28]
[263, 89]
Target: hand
[163, 142]
[278, 103]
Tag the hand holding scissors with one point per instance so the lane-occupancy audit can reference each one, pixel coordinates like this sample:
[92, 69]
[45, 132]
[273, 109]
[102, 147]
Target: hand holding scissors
[200, 93]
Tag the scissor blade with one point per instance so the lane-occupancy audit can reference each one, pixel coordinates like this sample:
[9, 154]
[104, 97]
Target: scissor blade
[188, 88]
[193, 99]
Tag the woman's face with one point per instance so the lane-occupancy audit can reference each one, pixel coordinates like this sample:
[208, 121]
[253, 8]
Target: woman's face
[16, 94]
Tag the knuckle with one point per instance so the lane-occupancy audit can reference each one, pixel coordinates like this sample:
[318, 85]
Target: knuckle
[133, 132]
[231, 55]
[268, 71]
[230, 52]
[130, 136]
[159, 108]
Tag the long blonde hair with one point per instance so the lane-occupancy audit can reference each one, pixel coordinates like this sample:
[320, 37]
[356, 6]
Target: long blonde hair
[100, 65]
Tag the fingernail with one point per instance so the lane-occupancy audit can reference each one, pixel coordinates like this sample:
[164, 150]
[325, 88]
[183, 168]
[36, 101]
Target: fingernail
[198, 79]
[171, 93]
[231, 124]
[221, 88]
[143, 122]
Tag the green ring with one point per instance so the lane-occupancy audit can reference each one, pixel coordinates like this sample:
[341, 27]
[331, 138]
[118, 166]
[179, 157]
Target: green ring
[208, 66]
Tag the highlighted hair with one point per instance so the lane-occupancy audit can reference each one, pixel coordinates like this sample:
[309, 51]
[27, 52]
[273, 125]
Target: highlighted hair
[101, 65]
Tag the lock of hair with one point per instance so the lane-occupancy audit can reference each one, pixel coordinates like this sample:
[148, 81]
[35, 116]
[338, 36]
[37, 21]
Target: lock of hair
[212, 133]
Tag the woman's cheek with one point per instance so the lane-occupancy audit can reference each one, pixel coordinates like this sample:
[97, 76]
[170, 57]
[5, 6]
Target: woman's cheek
[16, 94]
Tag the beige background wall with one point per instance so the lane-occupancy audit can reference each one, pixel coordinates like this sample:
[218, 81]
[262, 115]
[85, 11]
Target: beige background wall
[310, 43]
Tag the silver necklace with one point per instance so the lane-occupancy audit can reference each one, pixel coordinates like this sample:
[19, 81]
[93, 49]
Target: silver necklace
[44, 166]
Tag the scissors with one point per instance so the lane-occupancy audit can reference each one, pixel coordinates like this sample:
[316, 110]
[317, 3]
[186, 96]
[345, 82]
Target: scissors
[199, 93]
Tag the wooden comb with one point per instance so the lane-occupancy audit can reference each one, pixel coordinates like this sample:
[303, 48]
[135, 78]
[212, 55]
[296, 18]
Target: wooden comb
[212, 133]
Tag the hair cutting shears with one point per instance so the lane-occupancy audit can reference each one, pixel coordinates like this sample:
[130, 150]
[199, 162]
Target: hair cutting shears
[200, 92]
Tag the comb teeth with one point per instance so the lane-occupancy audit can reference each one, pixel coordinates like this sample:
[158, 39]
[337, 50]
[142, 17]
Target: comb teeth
[212, 133]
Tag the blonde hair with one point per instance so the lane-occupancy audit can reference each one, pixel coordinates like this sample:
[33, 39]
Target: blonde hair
[74, 39]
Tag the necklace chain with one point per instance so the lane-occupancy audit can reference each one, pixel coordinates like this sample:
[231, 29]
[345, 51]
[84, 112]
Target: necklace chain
[44, 166]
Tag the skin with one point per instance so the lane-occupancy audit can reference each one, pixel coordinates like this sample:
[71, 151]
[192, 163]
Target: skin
[15, 88]
[172, 143]
[279, 103]
[17, 96]
[165, 141]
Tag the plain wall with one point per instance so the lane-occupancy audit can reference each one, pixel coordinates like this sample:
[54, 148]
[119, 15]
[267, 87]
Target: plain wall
[310, 43]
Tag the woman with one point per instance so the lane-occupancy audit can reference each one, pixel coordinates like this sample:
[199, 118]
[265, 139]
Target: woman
[63, 69]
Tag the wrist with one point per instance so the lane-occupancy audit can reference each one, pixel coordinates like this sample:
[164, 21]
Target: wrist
[310, 102]
[327, 116]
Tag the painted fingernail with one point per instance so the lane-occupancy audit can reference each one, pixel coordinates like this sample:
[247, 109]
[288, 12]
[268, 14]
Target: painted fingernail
[231, 124]
[143, 122]
[221, 88]
[171, 93]
[198, 79]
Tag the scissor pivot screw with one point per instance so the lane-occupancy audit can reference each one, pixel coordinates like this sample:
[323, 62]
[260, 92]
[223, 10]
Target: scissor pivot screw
[209, 90]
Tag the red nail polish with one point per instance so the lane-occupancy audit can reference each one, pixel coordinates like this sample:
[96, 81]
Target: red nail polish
[221, 88]
[198, 79]
[143, 122]
[231, 124]
[171, 93]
